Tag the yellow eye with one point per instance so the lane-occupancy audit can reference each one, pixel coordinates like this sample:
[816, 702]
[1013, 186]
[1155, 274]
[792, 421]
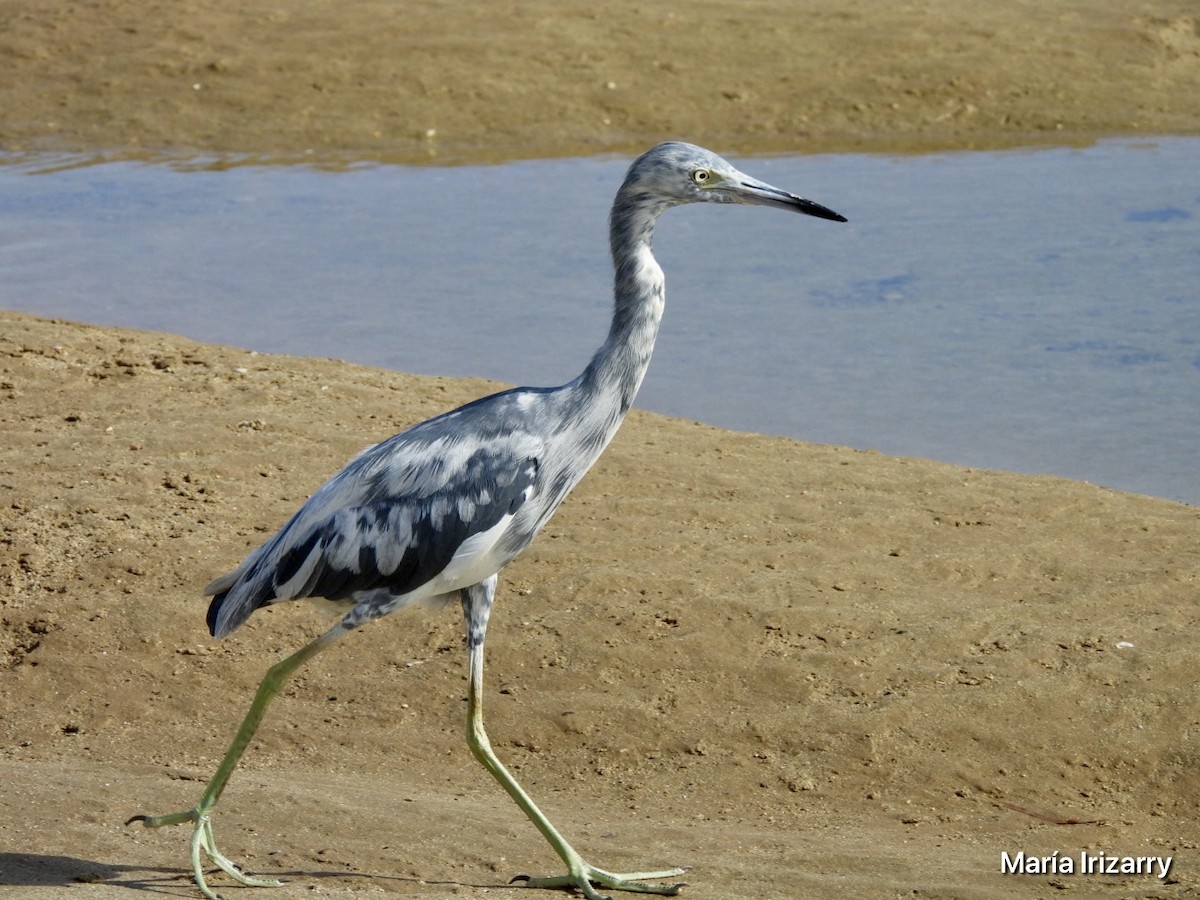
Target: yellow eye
[702, 177]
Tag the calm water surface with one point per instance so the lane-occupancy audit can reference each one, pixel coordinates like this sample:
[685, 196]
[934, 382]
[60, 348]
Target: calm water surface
[1032, 311]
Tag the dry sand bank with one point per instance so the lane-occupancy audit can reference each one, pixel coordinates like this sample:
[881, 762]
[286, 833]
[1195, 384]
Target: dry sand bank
[803, 670]
[373, 79]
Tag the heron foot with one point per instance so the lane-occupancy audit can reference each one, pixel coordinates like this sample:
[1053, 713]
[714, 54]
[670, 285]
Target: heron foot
[585, 877]
[202, 841]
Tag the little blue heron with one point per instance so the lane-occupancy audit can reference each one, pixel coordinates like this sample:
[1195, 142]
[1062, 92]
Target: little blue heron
[435, 512]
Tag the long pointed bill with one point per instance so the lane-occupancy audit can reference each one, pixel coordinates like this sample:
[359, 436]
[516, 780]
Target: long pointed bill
[749, 191]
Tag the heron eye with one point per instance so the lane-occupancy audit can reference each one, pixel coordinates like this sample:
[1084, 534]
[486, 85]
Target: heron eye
[701, 176]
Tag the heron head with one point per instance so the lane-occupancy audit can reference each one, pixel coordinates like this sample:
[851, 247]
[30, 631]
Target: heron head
[676, 173]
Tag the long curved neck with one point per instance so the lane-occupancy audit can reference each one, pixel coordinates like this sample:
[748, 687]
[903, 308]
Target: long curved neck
[617, 369]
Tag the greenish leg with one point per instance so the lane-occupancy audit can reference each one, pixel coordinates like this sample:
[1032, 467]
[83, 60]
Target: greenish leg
[198, 815]
[580, 874]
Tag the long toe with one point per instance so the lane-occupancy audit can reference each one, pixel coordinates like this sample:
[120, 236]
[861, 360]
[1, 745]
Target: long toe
[202, 844]
[590, 876]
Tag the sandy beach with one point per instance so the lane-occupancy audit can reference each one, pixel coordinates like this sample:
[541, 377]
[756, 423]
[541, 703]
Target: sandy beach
[799, 670]
[455, 82]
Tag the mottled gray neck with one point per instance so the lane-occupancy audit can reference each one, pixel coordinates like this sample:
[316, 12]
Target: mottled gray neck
[617, 369]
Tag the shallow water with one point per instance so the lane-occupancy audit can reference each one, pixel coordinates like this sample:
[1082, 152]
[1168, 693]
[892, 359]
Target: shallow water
[1034, 311]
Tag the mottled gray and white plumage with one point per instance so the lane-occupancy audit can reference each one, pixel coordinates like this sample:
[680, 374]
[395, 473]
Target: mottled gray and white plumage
[438, 510]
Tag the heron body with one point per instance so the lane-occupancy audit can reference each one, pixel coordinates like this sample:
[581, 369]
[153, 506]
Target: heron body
[435, 512]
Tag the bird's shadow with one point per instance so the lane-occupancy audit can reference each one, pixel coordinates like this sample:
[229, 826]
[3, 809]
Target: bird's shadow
[43, 870]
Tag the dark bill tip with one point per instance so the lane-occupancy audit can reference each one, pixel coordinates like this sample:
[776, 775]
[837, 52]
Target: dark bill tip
[766, 195]
[816, 209]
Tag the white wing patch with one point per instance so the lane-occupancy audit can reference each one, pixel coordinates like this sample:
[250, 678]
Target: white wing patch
[475, 559]
[297, 584]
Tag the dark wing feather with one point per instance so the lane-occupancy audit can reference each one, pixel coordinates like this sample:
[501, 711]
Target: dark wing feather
[393, 519]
